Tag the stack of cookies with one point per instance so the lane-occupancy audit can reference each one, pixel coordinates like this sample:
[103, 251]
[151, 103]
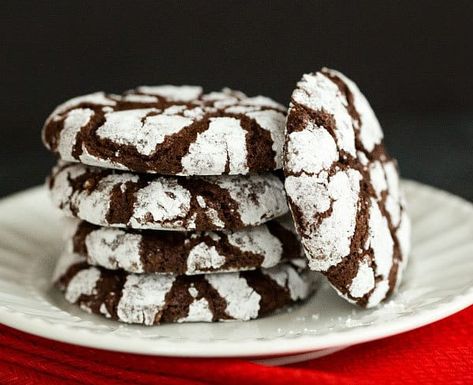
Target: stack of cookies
[177, 214]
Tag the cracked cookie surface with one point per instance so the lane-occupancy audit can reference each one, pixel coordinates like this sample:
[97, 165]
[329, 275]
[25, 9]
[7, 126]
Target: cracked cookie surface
[151, 299]
[121, 199]
[343, 189]
[182, 252]
[170, 130]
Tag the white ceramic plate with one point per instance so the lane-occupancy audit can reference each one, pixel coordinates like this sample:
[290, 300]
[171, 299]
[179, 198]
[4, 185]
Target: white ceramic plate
[438, 283]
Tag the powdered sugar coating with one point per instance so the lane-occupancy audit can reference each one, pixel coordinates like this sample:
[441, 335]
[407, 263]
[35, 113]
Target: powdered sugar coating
[301, 155]
[93, 206]
[364, 281]
[371, 133]
[372, 277]
[191, 253]
[338, 195]
[83, 283]
[218, 133]
[272, 121]
[143, 297]
[380, 241]
[258, 240]
[221, 145]
[199, 311]
[289, 279]
[203, 257]
[404, 234]
[97, 98]
[343, 189]
[166, 202]
[394, 200]
[76, 118]
[379, 293]
[257, 197]
[140, 129]
[115, 248]
[161, 200]
[174, 93]
[137, 98]
[242, 300]
[149, 299]
[104, 311]
[317, 92]
[61, 188]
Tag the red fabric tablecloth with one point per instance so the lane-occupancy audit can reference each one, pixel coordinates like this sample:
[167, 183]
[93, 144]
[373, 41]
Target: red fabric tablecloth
[441, 353]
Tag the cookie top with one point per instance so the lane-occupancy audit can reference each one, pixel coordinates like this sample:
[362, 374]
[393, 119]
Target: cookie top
[113, 198]
[152, 299]
[170, 130]
[187, 253]
[343, 189]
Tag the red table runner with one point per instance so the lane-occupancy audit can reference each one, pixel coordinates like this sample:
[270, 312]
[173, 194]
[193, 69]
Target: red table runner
[441, 353]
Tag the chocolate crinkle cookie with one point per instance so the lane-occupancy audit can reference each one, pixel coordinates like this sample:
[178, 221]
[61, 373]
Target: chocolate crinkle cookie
[171, 130]
[182, 252]
[343, 189]
[152, 299]
[120, 199]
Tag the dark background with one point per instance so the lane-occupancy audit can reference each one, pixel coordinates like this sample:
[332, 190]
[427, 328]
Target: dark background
[412, 59]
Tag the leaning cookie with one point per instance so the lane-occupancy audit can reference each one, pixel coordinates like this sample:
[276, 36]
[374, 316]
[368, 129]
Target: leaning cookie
[119, 199]
[152, 299]
[170, 130]
[343, 189]
[189, 253]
